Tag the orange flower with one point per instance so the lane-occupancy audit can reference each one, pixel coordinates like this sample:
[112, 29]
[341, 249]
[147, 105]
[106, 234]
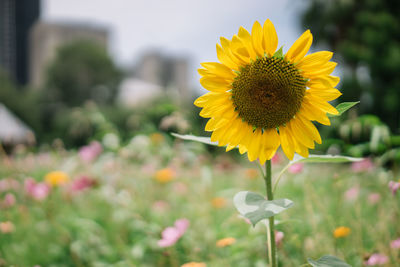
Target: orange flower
[225, 242]
[251, 173]
[218, 202]
[7, 227]
[165, 175]
[56, 178]
[194, 264]
[341, 231]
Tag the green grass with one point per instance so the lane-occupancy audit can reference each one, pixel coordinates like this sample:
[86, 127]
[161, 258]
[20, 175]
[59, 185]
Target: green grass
[116, 224]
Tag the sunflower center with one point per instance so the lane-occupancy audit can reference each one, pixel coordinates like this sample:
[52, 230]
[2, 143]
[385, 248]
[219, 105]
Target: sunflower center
[268, 92]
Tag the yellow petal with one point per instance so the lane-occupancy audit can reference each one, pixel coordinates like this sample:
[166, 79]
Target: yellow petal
[300, 48]
[314, 60]
[219, 69]
[309, 127]
[314, 114]
[215, 84]
[229, 147]
[299, 148]
[270, 38]
[225, 59]
[328, 81]
[327, 94]
[300, 134]
[226, 45]
[286, 142]
[320, 103]
[325, 70]
[240, 131]
[212, 97]
[245, 36]
[239, 49]
[253, 148]
[242, 149]
[257, 38]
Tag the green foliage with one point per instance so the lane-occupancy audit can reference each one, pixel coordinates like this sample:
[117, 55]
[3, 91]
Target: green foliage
[255, 207]
[82, 71]
[343, 107]
[120, 220]
[365, 35]
[23, 102]
[328, 261]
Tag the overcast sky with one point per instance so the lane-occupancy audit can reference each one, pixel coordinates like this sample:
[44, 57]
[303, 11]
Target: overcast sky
[179, 27]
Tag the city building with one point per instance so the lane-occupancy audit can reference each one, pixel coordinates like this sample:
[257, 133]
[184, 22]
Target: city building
[47, 37]
[168, 72]
[16, 20]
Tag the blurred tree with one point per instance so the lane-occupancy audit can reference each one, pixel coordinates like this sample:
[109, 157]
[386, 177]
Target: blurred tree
[82, 71]
[366, 36]
[21, 101]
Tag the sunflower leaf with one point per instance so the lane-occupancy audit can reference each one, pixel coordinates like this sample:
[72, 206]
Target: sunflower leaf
[200, 139]
[328, 261]
[279, 53]
[255, 207]
[323, 159]
[343, 107]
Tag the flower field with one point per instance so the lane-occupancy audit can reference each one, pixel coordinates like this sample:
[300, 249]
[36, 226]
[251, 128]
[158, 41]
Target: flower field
[163, 202]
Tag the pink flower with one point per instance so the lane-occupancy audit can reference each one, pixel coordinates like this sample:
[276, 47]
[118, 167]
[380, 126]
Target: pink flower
[374, 198]
[9, 200]
[8, 184]
[377, 259]
[279, 237]
[171, 235]
[362, 166]
[395, 244]
[38, 191]
[352, 193]
[276, 159]
[180, 188]
[296, 168]
[90, 152]
[82, 183]
[160, 206]
[394, 186]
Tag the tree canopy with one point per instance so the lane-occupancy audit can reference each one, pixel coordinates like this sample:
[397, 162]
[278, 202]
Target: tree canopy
[365, 34]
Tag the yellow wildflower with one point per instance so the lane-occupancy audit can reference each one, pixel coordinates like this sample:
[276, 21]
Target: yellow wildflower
[165, 175]
[341, 231]
[225, 242]
[56, 178]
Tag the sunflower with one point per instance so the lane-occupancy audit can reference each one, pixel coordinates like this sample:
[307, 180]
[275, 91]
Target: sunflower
[260, 99]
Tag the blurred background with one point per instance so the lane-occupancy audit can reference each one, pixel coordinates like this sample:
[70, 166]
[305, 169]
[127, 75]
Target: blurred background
[90, 175]
[134, 64]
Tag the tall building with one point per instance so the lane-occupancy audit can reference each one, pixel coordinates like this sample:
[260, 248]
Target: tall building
[166, 71]
[16, 20]
[47, 37]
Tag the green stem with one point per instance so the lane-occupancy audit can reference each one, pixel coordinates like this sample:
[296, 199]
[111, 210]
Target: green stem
[270, 196]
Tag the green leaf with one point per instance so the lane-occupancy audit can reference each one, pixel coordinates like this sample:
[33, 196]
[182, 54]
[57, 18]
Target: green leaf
[200, 139]
[343, 107]
[328, 261]
[255, 207]
[324, 159]
[315, 159]
[279, 53]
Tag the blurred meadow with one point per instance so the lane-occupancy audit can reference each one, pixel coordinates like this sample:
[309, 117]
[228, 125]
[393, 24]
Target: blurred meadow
[90, 174]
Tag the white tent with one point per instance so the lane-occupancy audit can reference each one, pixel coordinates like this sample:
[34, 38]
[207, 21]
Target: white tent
[13, 130]
[134, 92]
